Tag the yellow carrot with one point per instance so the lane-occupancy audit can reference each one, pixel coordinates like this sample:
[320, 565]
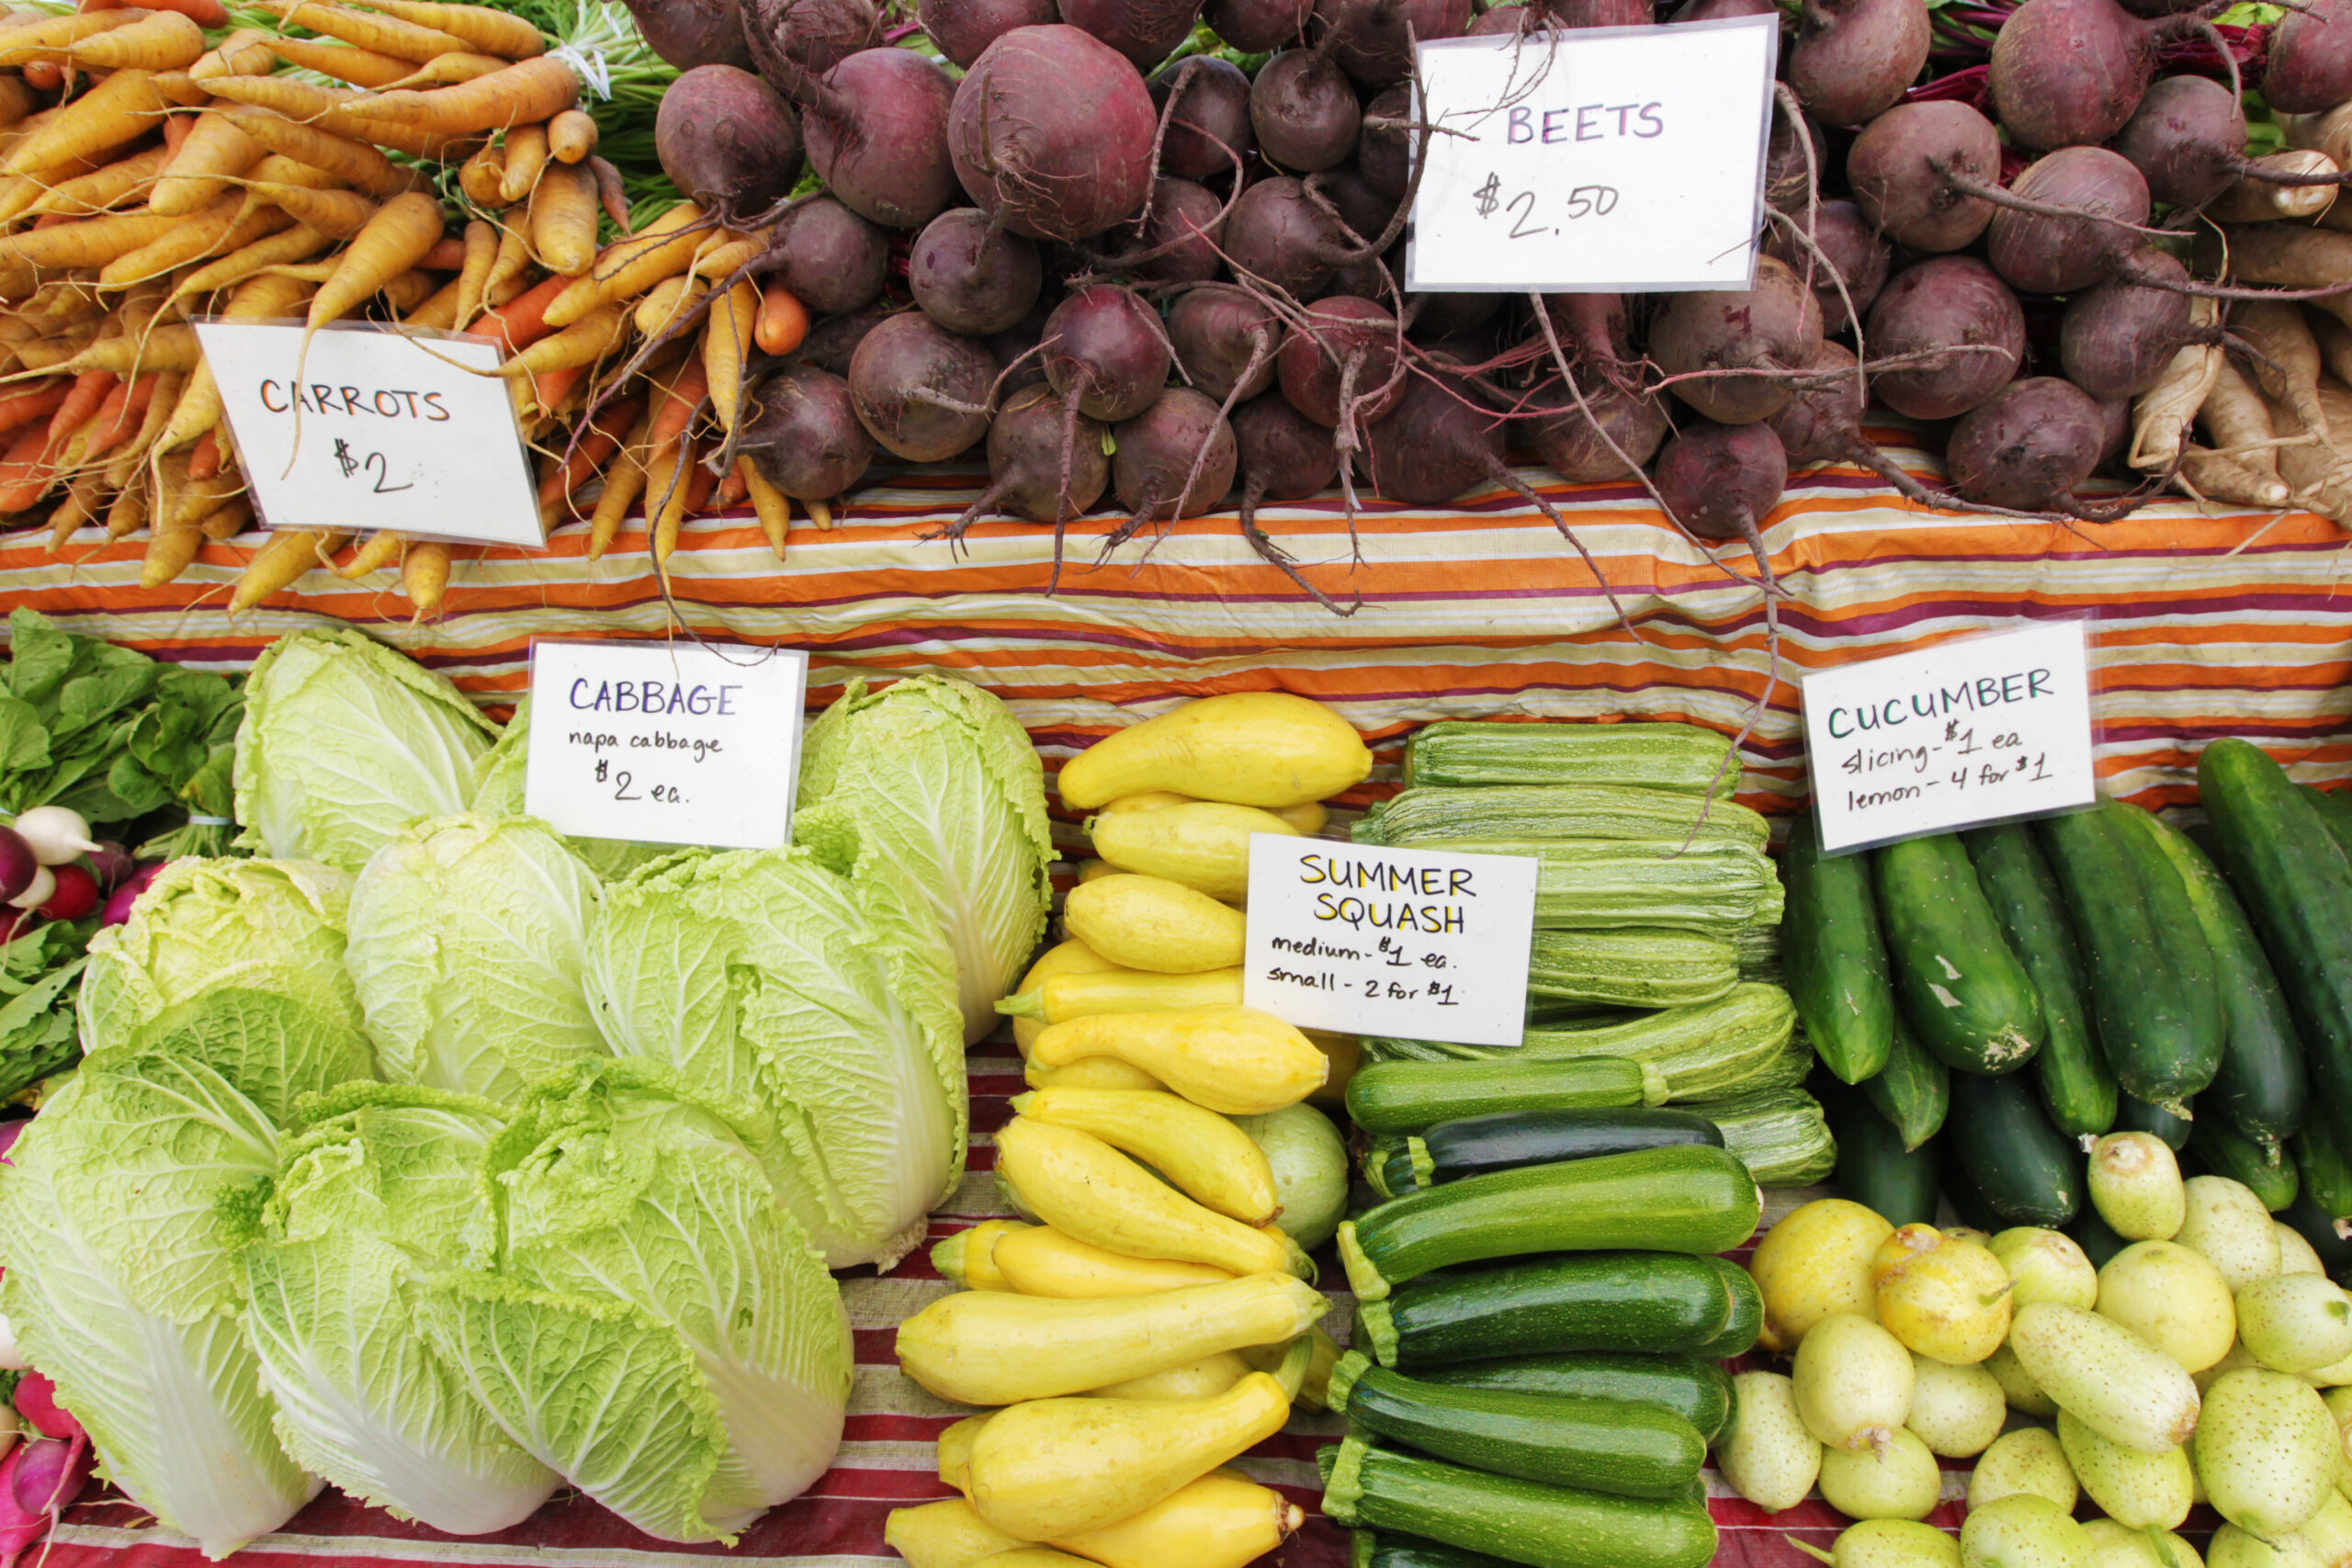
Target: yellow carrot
[564, 219]
[92, 242]
[342, 213]
[522, 94]
[407, 291]
[161, 41]
[481, 252]
[623, 482]
[354, 162]
[394, 240]
[726, 345]
[197, 408]
[772, 506]
[368, 30]
[183, 501]
[663, 301]
[582, 343]
[337, 109]
[245, 53]
[124, 180]
[179, 87]
[627, 268]
[666, 481]
[425, 573]
[169, 551]
[526, 154]
[722, 260]
[381, 550]
[127, 514]
[51, 39]
[79, 508]
[440, 311]
[279, 564]
[491, 31]
[345, 62]
[215, 153]
[222, 228]
[277, 250]
[571, 136]
[226, 519]
[482, 175]
[122, 107]
[130, 460]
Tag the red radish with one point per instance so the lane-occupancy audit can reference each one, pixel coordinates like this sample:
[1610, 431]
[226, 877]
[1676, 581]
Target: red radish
[963, 28]
[36, 1401]
[833, 260]
[971, 276]
[1052, 131]
[1045, 463]
[10, 1131]
[49, 1474]
[1304, 110]
[921, 389]
[1210, 125]
[2030, 447]
[1257, 26]
[1224, 338]
[55, 834]
[729, 141]
[804, 435]
[1956, 309]
[877, 126]
[1105, 348]
[813, 36]
[75, 896]
[1173, 460]
[1853, 59]
[1373, 39]
[120, 901]
[1339, 364]
[1276, 234]
[18, 865]
[1776, 325]
[1897, 170]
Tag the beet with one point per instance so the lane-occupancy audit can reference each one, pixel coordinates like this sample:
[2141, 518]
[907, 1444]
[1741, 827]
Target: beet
[790, 37]
[1345, 348]
[1576, 444]
[1452, 315]
[1257, 26]
[2058, 256]
[2030, 447]
[1373, 39]
[1013, 348]
[877, 126]
[2116, 339]
[1719, 480]
[1384, 155]
[1210, 125]
[1888, 170]
[1304, 110]
[1945, 303]
[1224, 338]
[917, 386]
[1185, 224]
[2309, 68]
[1364, 211]
[1043, 464]
[1854, 59]
[1283, 453]
[834, 261]
[1788, 174]
[688, 33]
[1514, 18]
[1052, 131]
[962, 28]
[1721, 10]
[804, 435]
[1174, 459]
[2069, 72]
[1277, 235]
[729, 141]
[1854, 249]
[1821, 424]
[2188, 140]
[832, 342]
[1433, 446]
[1776, 325]
[1104, 347]
[1145, 31]
[971, 276]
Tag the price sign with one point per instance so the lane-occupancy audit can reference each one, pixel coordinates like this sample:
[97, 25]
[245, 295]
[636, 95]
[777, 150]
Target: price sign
[374, 429]
[1408, 943]
[666, 743]
[1956, 735]
[1595, 160]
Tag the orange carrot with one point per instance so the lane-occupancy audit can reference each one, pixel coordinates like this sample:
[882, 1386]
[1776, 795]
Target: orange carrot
[175, 129]
[601, 440]
[22, 407]
[610, 193]
[522, 321]
[679, 401]
[24, 470]
[448, 255]
[44, 75]
[547, 389]
[203, 12]
[204, 462]
[89, 393]
[731, 488]
[700, 485]
[782, 321]
[121, 415]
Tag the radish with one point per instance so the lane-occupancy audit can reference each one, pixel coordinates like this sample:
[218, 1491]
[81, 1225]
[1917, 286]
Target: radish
[1956, 310]
[1045, 463]
[1277, 235]
[49, 1474]
[832, 260]
[1853, 59]
[1052, 131]
[1145, 31]
[1173, 460]
[1719, 480]
[729, 141]
[1224, 338]
[1339, 364]
[1104, 348]
[55, 834]
[1209, 127]
[1775, 326]
[2309, 64]
[2071, 72]
[877, 125]
[75, 896]
[1384, 148]
[10, 1131]
[18, 864]
[1854, 248]
[793, 37]
[2116, 339]
[1304, 112]
[120, 902]
[687, 33]
[921, 389]
[1373, 39]
[1898, 170]
[963, 28]
[2030, 447]
[112, 864]
[804, 435]
[971, 276]
[36, 1402]
[1178, 243]
[1257, 26]
[39, 891]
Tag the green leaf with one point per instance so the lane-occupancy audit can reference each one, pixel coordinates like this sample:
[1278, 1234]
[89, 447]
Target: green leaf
[24, 740]
[40, 656]
[91, 699]
[35, 998]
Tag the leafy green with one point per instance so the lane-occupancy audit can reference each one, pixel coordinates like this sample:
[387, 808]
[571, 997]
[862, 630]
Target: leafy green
[37, 1026]
[498, 791]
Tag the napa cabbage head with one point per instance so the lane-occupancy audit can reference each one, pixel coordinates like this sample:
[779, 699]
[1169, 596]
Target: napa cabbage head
[121, 1211]
[827, 1001]
[465, 935]
[642, 1317]
[346, 741]
[498, 791]
[382, 1186]
[938, 779]
[238, 963]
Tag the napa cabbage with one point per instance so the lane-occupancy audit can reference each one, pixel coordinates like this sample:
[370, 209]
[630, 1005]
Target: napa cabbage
[498, 791]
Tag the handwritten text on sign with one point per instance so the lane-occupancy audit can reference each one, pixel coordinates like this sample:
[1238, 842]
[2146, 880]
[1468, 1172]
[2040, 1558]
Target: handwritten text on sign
[1369, 940]
[666, 743]
[1959, 734]
[1595, 160]
[372, 430]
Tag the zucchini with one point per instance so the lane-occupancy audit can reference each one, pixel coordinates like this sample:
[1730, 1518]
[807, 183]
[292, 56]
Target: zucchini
[1640, 967]
[1758, 948]
[1914, 1092]
[2325, 1176]
[1414, 817]
[1681, 757]
[1694, 1199]
[2094, 1236]
[1745, 1323]
[1743, 1040]
[1602, 884]
[1392, 1549]
[1877, 1171]
[1780, 1134]
[1407, 1096]
[2269, 1173]
[2027, 1171]
[1834, 956]
[1526, 1521]
[2139, 1116]
[1693, 1387]
[1962, 991]
[1660, 1302]
[2077, 1087]
[1632, 1450]
[1474, 1145]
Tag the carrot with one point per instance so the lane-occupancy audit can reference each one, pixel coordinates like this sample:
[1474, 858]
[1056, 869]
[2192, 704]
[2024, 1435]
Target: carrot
[203, 12]
[393, 240]
[122, 109]
[425, 576]
[481, 176]
[130, 462]
[342, 213]
[564, 219]
[382, 548]
[545, 394]
[88, 396]
[45, 41]
[121, 415]
[582, 343]
[678, 404]
[623, 482]
[491, 31]
[175, 129]
[44, 75]
[128, 514]
[337, 110]
[228, 228]
[225, 519]
[368, 30]
[772, 506]
[571, 136]
[343, 61]
[204, 462]
[732, 487]
[245, 53]
[723, 257]
[172, 347]
[186, 498]
[627, 268]
[162, 40]
[522, 320]
[17, 100]
[79, 508]
[701, 484]
[726, 345]
[522, 94]
[602, 439]
[169, 551]
[406, 292]
[216, 152]
[440, 311]
[124, 180]
[275, 567]
[237, 267]
[89, 243]
[526, 154]
[820, 513]
[481, 250]
[611, 194]
[25, 474]
[782, 322]
[196, 408]
[354, 162]
[21, 408]
[665, 496]
[663, 301]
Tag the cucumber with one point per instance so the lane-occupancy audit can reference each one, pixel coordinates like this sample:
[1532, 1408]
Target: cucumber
[1526, 1521]
[1832, 956]
[1875, 1170]
[1693, 1387]
[1406, 1097]
[2139, 1116]
[1691, 1198]
[1392, 1549]
[2336, 813]
[1661, 1303]
[1632, 1450]
[1474, 1145]
[2269, 1173]
[1746, 1324]
[2325, 1176]
[2027, 1171]
[2094, 1236]
[2078, 1088]
[2261, 1085]
[1968, 1203]
[2316, 1226]
[1915, 1091]
[1960, 988]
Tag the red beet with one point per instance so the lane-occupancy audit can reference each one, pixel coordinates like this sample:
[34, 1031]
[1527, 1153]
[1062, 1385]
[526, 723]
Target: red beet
[1373, 39]
[1889, 171]
[2069, 72]
[1776, 325]
[1853, 59]
[812, 36]
[2309, 65]
[1051, 130]
[963, 28]
[1719, 480]
[1180, 437]
[728, 139]
[1954, 307]
[2188, 140]
[1347, 347]
[1257, 26]
[1277, 235]
[1145, 31]
[1581, 444]
[1185, 224]
[1105, 348]
[877, 126]
[2117, 338]
[688, 33]
[1793, 162]
[1856, 252]
[971, 276]
[804, 435]
[1820, 424]
[921, 389]
[1433, 445]
[1224, 338]
[1211, 123]
[1304, 110]
[2030, 447]
[832, 340]
[1383, 154]
[833, 260]
[1282, 453]
[1043, 464]
[2058, 256]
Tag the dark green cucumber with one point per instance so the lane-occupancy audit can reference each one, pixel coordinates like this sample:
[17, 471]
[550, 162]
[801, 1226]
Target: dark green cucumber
[1663, 1303]
[1968, 1203]
[1394, 1548]
[1474, 1145]
[2261, 1085]
[2152, 978]
[1832, 956]
[2139, 1116]
[1875, 1170]
[2029, 1172]
[1692, 1198]
[1632, 1450]
[1745, 1323]
[1965, 994]
[1526, 1521]
[2315, 1226]
[2336, 813]
[1693, 1387]
[2325, 1176]
[2077, 1089]
[1914, 1091]
[2225, 1151]
[1406, 1097]
[2094, 1236]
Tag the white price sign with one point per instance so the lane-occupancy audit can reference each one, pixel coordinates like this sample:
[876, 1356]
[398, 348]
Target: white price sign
[1960, 734]
[374, 429]
[1595, 160]
[1370, 941]
[666, 743]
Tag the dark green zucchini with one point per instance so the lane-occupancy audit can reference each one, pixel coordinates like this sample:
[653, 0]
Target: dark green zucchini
[1474, 1145]
[1662, 1303]
[2139, 1116]
[1832, 956]
[1914, 1091]
[2094, 1236]
[1693, 1388]
[1406, 1096]
[1875, 1170]
[1392, 1549]
[1965, 994]
[1745, 1323]
[2225, 1151]
[1632, 1450]
[2077, 1089]
[2027, 1171]
[2325, 1176]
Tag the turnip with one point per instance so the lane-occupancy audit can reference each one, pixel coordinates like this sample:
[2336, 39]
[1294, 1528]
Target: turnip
[1750, 333]
[1225, 337]
[1045, 463]
[1897, 170]
[1851, 247]
[1145, 31]
[1384, 148]
[1277, 235]
[971, 276]
[2071, 72]
[1173, 460]
[2309, 68]
[1210, 124]
[2188, 140]
[1178, 239]
[2043, 255]
[1373, 39]
[1853, 59]
[687, 33]
[1719, 480]
[1052, 132]
[1956, 332]
[962, 28]
[832, 342]
[1105, 349]
[921, 389]
[2117, 338]
[729, 141]
[1339, 365]
[831, 259]
[877, 125]
[56, 834]
[2030, 447]
[803, 433]
[1303, 111]
[1257, 26]
[812, 36]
